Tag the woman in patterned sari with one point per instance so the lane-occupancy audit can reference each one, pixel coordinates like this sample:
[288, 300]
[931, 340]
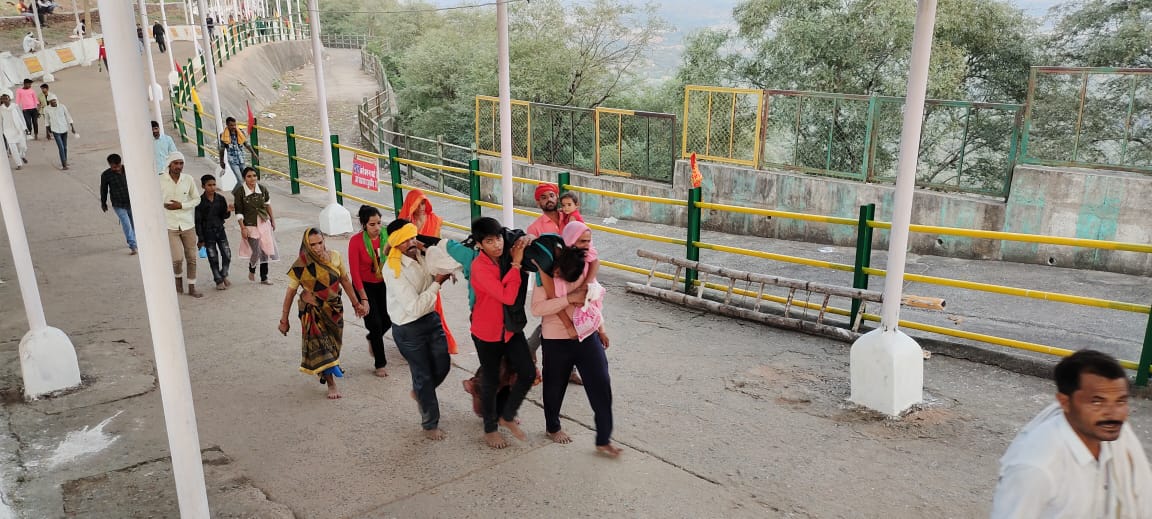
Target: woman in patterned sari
[320, 273]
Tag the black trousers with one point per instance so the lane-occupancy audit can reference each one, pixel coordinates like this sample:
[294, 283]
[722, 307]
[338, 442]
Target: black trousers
[32, 121]
[560, 355]
[161, 44]
[377, 320]
[519, 361]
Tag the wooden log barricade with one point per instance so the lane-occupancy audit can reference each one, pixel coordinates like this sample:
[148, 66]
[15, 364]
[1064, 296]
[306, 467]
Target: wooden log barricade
[792, 318]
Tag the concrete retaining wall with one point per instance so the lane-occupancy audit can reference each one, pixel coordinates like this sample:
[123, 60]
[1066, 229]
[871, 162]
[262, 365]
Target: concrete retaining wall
[1051, 201]
[250, 76]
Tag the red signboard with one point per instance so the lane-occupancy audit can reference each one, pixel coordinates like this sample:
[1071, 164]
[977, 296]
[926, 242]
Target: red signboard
[364, 173]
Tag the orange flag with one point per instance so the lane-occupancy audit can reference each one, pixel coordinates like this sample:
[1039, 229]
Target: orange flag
[697, 178]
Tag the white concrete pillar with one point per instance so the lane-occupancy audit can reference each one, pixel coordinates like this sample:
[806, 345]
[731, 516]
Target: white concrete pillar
[47, 357]
[155, 94]
[334, 219]
[506, 187]
[887, 366]
[155, 261]
[36, 20]
[173, 76]
[210, 67]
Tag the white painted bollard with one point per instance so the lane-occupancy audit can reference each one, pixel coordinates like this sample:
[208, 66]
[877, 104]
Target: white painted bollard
[887, 366]
[887, 370]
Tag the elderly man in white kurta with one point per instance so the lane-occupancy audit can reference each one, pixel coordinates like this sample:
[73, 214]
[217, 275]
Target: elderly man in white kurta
[12, 125]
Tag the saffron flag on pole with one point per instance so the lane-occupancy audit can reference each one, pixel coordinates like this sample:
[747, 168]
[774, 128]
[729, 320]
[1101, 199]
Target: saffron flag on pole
[251, 118]
[196, 100]
[697, 178]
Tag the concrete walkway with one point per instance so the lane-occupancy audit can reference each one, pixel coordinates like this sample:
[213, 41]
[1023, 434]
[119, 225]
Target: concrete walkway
[718, 418]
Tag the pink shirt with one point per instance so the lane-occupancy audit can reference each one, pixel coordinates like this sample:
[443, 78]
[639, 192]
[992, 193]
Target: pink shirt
[26, 98]
[542, 226]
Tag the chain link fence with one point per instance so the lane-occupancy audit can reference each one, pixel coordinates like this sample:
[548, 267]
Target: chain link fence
[722, 124]
[1089, 117]
[488, 128]
[965, 147]
[635, 144]
[564, 136]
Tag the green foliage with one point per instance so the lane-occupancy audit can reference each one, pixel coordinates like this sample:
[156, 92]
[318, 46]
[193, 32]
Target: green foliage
[1104, 33]
[982, 48]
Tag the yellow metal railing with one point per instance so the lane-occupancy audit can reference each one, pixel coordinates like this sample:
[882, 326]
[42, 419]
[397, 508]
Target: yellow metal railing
[488, 128]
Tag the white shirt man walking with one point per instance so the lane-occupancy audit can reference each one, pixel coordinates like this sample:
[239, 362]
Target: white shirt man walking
[1078, 459]
[15, 132]
[180, 197]
[416, 328]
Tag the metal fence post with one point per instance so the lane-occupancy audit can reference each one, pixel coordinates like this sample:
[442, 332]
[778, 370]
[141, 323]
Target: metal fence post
[199, 132]
[336, 170]
[563, 180]
[474, 188]
[693, 236]
[293, 166]
[1145, 356]
[863, 256]
[394, 168]
[869, 126]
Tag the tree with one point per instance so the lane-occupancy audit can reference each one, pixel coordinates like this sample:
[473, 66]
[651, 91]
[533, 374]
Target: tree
[1104, 33]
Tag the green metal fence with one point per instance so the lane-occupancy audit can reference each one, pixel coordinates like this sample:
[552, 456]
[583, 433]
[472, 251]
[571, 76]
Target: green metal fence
[965, 146]
[1089, 117]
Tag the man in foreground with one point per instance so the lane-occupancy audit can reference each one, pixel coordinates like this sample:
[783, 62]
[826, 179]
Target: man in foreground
[1077, 458]
[416, 327]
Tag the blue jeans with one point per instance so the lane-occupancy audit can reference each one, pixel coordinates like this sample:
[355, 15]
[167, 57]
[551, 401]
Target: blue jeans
[125, 215]
[219, 257]
[424, 346]
[62, 146]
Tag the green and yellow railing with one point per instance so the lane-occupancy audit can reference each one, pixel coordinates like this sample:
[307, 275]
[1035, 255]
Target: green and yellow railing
[291, 158]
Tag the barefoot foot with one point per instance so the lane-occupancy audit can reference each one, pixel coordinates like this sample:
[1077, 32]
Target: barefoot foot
[575, 378]
[435, 434]
[334, 393]
[609, 450]
[495, 440]
[514, 428]
[381, 372]
[560, 437]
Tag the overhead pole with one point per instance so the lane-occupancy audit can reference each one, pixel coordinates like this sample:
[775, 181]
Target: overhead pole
[154, 91]
[173, 76]
[334, 218]
[506, 186]
[886, 365]
[210, 65]
[47, 358]
[164, 320]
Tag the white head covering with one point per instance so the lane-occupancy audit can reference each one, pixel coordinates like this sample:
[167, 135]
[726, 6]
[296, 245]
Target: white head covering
[173, 157]
[52, 97]
[6, 92]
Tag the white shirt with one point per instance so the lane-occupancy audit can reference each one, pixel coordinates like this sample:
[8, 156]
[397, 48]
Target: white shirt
[1049, 473]
[12, 122]
[59, 120]
[185, 192]
[413, 294]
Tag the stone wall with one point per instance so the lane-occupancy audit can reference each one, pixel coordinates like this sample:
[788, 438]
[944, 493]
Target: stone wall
[1064, 202]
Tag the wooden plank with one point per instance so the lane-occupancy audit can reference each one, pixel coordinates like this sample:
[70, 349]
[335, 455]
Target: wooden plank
[799, 325]
[799, 284]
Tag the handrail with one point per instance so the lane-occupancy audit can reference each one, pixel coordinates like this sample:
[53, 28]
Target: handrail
[1020, 237]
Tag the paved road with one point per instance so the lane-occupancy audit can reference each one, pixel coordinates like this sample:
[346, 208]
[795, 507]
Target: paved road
[719, 418]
